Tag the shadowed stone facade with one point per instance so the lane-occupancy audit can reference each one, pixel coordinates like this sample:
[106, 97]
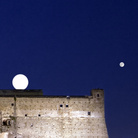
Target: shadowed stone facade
[33, 115]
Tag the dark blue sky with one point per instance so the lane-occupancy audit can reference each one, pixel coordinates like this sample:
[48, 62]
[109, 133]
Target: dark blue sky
[68, 47]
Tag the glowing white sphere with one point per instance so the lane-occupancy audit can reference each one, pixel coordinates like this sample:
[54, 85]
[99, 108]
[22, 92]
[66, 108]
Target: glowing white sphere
[20, 81]
[122, 64]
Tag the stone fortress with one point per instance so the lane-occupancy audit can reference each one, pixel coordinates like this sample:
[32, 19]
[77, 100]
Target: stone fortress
[30, 114]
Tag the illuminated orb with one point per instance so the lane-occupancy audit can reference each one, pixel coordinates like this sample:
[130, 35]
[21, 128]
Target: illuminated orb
[122, 64]
[20, 81]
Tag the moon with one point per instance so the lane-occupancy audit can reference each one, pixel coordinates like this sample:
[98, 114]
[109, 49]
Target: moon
[20, 82]
[122, 64]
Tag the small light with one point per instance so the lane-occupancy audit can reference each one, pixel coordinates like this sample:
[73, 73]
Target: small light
[122, 64]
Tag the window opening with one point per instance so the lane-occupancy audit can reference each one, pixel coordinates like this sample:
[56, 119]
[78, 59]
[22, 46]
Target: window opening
[89, 113]
[6, 122]
[61, 105]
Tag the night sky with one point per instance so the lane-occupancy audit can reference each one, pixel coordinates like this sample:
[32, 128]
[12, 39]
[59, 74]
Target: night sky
[68, 47]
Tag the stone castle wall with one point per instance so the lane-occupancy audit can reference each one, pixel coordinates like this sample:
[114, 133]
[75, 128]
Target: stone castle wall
[54, 117]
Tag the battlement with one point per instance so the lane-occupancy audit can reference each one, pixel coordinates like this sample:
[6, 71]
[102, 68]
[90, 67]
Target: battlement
[95, 93]
[21, 93]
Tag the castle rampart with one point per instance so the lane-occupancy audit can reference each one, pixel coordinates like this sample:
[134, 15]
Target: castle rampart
[38, 116]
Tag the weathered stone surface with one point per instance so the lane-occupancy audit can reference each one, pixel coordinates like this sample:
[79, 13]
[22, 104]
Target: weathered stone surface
[4, 135]
[54, 117]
